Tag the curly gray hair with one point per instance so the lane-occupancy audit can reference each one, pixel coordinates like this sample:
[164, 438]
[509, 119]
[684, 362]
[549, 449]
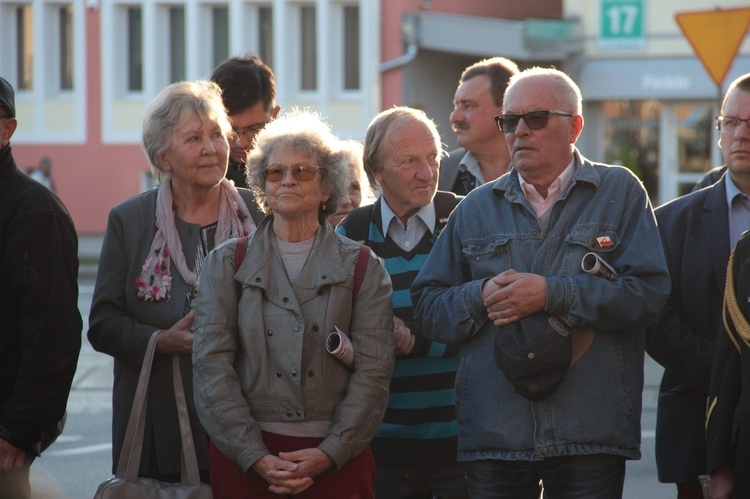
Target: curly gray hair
[168, 108]
[301, 130]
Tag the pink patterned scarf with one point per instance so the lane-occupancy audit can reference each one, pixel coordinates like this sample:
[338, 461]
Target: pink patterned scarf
[155, 281]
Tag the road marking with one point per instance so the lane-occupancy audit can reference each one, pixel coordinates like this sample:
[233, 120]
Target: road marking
[89, 449]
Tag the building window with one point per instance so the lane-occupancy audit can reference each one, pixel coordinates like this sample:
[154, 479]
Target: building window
[66, 47]
[176, 44]
[265, 34]
[135, 50]
[221, 35]
[308, 49]
[25, 47]
[351, 47]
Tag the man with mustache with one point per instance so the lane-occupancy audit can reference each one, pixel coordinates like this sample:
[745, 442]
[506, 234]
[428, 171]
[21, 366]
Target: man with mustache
[550, 375]
[483, 155]
[415, 448]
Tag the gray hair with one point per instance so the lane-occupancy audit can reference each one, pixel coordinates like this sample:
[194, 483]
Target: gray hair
[350, 153]
[305, 131]
[168, 108]
[565, 87]
[377, 132]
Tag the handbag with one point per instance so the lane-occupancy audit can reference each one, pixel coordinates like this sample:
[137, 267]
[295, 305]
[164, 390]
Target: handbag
[126, 484]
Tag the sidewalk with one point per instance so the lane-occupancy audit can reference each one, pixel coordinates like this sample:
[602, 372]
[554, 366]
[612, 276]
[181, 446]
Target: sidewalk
[92, 385]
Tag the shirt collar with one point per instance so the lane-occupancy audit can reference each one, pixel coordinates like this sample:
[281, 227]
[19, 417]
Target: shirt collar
[470, 163]
[425, 213]
[732, 190]
[565, 178]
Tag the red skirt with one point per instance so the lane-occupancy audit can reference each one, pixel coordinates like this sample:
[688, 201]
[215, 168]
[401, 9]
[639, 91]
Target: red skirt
[353, 481]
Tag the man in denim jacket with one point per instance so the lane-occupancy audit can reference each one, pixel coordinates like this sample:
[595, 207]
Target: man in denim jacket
[514, 248]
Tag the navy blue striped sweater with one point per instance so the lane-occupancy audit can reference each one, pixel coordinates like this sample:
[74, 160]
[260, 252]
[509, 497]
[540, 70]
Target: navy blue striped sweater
[419, 426]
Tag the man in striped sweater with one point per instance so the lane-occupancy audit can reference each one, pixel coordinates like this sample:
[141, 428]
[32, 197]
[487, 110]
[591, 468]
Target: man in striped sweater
[415, 448]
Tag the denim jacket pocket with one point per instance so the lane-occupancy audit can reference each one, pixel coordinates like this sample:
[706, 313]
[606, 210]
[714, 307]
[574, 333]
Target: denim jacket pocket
[598, 239]
[487, 257]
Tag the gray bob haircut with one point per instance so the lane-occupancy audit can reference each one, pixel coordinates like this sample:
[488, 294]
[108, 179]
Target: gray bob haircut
[165, 112]
[302, 131]
[377, 133]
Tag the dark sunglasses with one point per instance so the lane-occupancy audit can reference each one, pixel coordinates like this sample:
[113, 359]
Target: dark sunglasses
[275, 173]
[535, 120]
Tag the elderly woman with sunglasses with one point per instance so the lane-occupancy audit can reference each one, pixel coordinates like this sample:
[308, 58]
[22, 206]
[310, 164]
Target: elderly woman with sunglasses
[153, 249]
[284, 415]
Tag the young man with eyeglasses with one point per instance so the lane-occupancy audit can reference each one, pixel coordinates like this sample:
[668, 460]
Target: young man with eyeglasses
[40, 336]
[482, 156]
[505, 280]
[249, 92]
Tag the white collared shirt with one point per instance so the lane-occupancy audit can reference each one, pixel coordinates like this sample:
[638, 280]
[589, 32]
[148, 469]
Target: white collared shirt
[418, 224]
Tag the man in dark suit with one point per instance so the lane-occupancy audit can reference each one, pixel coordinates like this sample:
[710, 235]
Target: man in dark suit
[483, 155]
[698, 232]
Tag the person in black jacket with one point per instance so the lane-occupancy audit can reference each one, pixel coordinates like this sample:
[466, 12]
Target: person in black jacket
[40, 335]
[698, 233]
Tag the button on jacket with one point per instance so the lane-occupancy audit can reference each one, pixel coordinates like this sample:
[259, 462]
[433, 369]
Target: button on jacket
[597, 408]
[261, 356]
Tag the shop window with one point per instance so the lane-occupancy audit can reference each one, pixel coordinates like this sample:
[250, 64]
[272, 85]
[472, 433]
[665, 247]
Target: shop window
[631, 139]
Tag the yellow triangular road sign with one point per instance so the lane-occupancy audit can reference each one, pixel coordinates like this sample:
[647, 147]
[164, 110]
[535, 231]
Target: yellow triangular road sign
[716, 36]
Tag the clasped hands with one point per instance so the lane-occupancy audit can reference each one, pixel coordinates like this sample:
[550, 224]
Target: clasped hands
[292, 472]
[512, 295]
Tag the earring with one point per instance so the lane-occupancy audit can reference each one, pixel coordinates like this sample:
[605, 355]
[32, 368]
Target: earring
[324, 206]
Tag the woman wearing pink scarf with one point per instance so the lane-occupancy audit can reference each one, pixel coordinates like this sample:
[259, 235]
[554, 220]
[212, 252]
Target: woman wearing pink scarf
[153, 250]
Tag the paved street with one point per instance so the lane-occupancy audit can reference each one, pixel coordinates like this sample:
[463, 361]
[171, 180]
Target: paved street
[74, 466]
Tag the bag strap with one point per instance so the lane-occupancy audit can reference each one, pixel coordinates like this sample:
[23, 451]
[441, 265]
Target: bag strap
[239, 253]
[359, 270]
[132, 447]
[189, 472]
[239, 257]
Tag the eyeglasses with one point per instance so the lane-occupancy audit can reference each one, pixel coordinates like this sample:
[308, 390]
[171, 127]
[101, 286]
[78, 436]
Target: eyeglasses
[251, 130]
[5, 117]
[730, 122]
[535, 120]
[275, 173]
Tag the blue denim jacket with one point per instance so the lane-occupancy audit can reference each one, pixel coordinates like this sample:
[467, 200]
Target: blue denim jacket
[597, 408]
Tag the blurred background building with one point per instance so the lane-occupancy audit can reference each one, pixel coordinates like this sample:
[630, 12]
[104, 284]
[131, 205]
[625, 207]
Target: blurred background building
[84, 71]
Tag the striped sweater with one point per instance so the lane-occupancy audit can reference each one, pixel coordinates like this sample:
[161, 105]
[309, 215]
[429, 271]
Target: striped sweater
[419, 426]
